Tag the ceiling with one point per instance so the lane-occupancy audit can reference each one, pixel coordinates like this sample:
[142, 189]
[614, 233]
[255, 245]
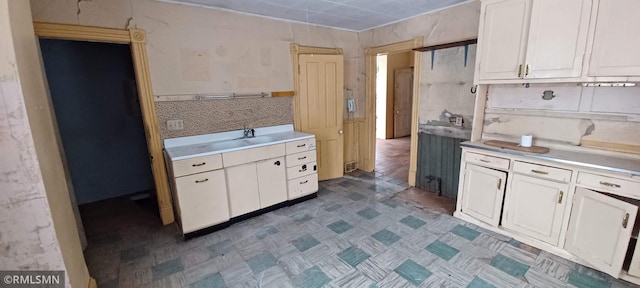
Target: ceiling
[354, 15]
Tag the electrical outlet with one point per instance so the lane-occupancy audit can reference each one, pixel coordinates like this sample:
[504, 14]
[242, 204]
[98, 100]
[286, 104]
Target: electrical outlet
[175, 124]
[458, 121]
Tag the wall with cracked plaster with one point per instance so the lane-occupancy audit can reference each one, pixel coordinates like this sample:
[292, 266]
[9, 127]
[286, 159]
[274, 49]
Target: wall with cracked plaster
[200, 50]
[574, 114]
[447, 88]
[38, 229]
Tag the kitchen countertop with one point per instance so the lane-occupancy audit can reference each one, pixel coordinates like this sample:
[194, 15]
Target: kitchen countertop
[216, 147]
[609, 163]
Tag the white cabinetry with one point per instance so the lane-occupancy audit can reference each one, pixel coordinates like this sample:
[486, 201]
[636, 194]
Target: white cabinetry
[242, 181]
[526, 39]
[486, 189]
[205, 195]
[272, 181]
[535, 207]
[302, 168]
[616, 41]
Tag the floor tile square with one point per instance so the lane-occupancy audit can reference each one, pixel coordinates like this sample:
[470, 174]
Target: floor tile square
[442, 250]
[303, 218]
[412, 222]
[465, 232]
[386, 237]
[167, 268]
[479, 283]
[353, 256]
[509, 266]
[221, 248]
[133, 254]
[331, 207]
[391, 203]
[311, 278]
[261, 262]
[339, 226]
[413, 272]
[213, 280]
[266, 231]
[305, 242]
[582, 280]
[368, 213]
[355, 196]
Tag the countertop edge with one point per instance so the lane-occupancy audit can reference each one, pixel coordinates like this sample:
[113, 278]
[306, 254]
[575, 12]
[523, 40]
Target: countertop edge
[481, 146]
[178, 158]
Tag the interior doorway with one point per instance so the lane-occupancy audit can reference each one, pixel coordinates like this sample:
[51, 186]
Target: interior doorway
[394, 89]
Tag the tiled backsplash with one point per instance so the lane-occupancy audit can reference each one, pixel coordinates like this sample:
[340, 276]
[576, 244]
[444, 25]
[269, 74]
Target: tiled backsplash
[219, 115]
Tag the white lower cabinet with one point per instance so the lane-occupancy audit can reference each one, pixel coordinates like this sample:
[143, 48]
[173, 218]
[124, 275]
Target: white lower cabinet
[599, 229]
[303, 186]
[242, 181]
[485, 187]
[272, 182]
[535, 207]
[205, 195]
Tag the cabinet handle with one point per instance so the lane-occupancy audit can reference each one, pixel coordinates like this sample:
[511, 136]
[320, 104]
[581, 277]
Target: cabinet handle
[202, 181]
[625, 220]
[485, 161]
[520, 71]
[499, 183]
[201, 164]
[303, 169]
[526, 71]
[302, 158]
[610, 184]
[301, 145]
[277, 163]
[560, 197]
[304, 182]
[539, 172]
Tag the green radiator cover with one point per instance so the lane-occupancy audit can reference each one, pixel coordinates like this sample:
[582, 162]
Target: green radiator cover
[438, 164]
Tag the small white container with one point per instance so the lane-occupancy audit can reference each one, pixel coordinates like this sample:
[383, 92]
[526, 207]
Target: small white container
[526, 140]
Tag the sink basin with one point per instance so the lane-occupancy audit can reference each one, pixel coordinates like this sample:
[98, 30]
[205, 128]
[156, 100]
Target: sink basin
[258, 140]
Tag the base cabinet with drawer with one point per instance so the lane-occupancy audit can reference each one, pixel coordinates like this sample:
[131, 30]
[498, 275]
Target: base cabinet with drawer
[302, 168]
[575, 211]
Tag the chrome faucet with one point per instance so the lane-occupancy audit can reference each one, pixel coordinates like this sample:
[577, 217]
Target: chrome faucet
[249, 132]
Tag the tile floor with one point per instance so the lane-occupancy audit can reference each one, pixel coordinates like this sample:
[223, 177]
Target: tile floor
[355, 234]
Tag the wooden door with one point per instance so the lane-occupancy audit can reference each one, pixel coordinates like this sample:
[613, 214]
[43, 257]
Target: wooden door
[557, 38]
[600, 229]
[242, 181]
[535, 207]
[205, 195]
[272, 181]
[321, 104]
[616, 41]
[403, 90]
[483, 190]
[502, 38]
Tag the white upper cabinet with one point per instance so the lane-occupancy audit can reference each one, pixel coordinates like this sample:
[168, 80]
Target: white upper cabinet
[616, 40]
[599, 230]
[557, 38]
[502, 39]
[532, 39]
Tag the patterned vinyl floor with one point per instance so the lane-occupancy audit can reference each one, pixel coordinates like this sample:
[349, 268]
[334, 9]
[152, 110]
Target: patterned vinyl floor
[355, 234]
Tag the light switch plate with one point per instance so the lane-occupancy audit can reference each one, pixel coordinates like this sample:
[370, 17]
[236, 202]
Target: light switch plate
[175, 124]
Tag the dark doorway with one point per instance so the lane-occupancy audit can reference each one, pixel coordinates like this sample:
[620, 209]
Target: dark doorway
[94, 96]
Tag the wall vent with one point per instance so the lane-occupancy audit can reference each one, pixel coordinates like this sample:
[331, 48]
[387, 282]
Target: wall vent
[350, 167]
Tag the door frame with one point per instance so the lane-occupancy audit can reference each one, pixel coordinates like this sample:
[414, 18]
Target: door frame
[136, 38]
[296, 50]
[368, 145]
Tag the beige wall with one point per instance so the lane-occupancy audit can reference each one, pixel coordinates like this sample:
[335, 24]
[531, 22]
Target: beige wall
[38, 226]
[394, 61]
[200, 50]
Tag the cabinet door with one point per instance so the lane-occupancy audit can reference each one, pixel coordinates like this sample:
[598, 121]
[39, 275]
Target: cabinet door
[202, 200]
[557, 38]
[600, 229]
[616, 41]
[483, 191]
[535, 207]
[242, 181]
[272, 182]
[502, 38]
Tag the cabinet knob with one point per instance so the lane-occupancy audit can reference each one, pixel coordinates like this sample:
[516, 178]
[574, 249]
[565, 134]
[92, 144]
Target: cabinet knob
[277, 163]
[304, 168]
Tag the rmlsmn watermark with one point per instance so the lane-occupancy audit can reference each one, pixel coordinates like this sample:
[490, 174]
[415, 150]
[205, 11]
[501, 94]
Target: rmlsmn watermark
[31, 279]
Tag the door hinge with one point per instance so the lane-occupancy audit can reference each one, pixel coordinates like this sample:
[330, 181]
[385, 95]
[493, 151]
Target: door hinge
[298, 68]
[625, 220]
[499, 184]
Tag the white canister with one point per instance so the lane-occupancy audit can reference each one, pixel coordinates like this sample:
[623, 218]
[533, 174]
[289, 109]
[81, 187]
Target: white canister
[526, 140]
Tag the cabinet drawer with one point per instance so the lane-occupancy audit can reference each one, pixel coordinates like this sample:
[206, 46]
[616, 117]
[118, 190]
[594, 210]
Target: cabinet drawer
[301, 158]
[541, 171]
[302, 170]
[301, 145]
[303, 186]
[252, 155]
[196, 165]
[486, 160]
[609, 184]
